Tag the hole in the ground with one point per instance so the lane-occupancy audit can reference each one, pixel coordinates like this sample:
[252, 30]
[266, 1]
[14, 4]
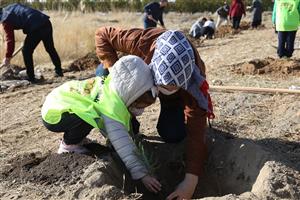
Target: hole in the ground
[235, 166]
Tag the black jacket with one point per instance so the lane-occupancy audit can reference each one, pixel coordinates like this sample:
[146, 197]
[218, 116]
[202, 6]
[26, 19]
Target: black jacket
[23, 17]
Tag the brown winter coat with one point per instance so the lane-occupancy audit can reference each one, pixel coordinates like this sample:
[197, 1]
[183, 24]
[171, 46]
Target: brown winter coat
[141, 42]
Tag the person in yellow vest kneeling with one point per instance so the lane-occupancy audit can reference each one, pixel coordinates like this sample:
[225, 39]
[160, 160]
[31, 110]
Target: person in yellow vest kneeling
[76, 107]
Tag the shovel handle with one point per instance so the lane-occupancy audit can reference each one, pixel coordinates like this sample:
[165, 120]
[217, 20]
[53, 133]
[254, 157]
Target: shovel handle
[15, 53]
[17, 50]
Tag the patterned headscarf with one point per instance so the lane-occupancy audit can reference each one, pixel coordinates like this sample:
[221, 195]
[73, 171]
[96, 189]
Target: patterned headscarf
[173, 60]
[173, 63]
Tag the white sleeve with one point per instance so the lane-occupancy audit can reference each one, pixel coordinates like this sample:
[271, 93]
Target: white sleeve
[125, 147]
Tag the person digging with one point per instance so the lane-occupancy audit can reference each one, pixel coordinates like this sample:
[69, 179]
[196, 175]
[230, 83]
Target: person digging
[154, 14]
[179, 74]
[37, 27]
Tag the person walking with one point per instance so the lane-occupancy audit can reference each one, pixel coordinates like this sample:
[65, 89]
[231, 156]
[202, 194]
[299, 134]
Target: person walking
[237, 10]
[256, 13]
[222, 13]
[286, 19]
[37, 27]
[179, 74]
[154, 14]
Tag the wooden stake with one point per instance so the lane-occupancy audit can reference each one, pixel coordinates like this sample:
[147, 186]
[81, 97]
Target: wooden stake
[252, 90]
[15, 53]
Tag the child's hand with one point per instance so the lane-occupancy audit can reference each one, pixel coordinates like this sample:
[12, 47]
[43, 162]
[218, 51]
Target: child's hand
[151, 183]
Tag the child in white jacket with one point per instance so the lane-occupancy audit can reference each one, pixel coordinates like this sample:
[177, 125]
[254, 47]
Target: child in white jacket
[77, 107]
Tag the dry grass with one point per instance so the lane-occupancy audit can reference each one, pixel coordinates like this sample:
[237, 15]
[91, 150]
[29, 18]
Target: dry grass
[74, 32]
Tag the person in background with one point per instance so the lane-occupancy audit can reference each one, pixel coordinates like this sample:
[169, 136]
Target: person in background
[256, 13]
[222, 13]
[37, 27]
[76, 107]
[208, 29]
[195, 30]
[179, 74]
[286, 19]
[154, 14]
[237, 10]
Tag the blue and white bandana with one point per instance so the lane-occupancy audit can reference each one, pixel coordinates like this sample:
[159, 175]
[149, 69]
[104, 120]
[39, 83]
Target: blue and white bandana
[173, 63]
[173, 60]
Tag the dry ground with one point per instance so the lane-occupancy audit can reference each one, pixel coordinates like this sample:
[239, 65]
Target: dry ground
[252, 128]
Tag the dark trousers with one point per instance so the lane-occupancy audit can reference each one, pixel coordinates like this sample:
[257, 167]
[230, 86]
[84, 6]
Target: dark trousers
[32, 40]
[170, 126]
[236, 22]
[286, 40]
[148, 23]
[208, 31]
[74, 128]
[255, 24]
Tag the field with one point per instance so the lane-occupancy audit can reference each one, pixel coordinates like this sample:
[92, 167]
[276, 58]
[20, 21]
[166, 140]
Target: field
[254, 149]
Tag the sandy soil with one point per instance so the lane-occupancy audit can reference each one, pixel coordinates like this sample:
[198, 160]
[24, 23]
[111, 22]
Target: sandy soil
[254, 149]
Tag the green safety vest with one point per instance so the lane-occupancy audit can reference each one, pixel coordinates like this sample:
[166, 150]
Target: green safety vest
[286, 15]
[88, 99]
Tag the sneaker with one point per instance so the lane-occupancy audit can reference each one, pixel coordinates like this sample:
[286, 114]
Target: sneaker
[72, 148]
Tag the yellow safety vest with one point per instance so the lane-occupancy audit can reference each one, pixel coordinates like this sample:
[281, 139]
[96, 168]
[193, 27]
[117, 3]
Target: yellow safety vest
[88, 99]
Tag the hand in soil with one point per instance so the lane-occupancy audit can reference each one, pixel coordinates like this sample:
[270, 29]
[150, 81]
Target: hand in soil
[151, 183]
[185, 189]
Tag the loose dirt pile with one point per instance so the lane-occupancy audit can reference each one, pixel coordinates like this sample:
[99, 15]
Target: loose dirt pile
[269, 66]
[11, 72]
[226, 30]
[14, 76]
[51, 169]
[237, 167]
[89, 61]
[222, 32]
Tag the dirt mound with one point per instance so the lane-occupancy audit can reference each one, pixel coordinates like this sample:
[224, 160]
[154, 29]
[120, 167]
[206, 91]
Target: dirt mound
[53, 168]
[222, 31]
[89, 61]
[272, 66]
[237, 168]
[11, 72]
[14, 76]
[226, 30]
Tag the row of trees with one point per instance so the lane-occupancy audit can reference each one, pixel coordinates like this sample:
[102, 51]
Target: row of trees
[129, 5]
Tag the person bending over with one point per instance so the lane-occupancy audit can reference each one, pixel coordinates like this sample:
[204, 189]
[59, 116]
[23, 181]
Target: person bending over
[179, 74]
[77, 107]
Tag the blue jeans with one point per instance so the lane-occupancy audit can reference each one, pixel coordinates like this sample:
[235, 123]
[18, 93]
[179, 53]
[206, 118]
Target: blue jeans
[100, 71]
[170, 126]
[286, 41]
